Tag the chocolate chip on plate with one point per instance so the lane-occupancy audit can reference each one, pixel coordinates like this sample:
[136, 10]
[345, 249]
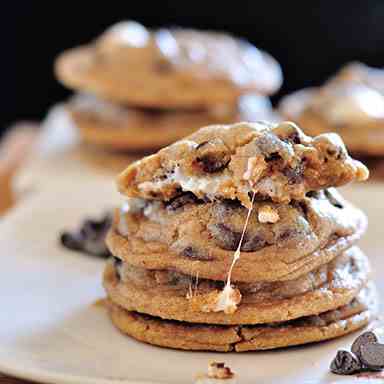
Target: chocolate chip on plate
[345, 363]
[89, 238]
[372, 356]
[364, 339]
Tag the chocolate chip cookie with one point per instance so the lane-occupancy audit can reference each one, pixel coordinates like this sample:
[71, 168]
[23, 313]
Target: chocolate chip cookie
[168, 68]
[323, 326]
[123, 128]
[351, 103]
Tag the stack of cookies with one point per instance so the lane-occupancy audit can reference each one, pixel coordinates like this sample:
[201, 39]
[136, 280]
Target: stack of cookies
[141, 89]
[350, 103]
[235, 239]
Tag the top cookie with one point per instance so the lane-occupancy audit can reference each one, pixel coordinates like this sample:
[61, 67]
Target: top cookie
[168, 68]
[276, 161]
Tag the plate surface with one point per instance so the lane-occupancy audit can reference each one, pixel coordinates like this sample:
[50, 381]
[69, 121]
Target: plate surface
[52, 331]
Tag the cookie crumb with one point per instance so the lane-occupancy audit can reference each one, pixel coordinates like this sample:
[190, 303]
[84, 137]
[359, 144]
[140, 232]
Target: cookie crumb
[218, 370]
[267, 214]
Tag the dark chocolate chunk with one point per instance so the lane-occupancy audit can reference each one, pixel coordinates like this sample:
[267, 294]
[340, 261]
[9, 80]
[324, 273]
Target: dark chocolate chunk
[294, 175]
[345, 363]
[90, 238]
[313, 194]
[364, 339]
[212, 156]
[332, 199]
[117, 263]
[273, 157]
[372, 356]
[229, 240]
[293, 138]
[71, 241]
[195, 253]
[253, 244]
[180, 201]
[224, 237]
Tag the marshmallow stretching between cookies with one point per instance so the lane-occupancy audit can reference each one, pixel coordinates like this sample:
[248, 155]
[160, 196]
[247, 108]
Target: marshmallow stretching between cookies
[300, 278]
[142, 89]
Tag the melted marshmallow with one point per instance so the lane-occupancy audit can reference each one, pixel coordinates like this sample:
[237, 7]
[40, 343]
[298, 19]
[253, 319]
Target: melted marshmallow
[198, 184]
[131, 205]
[226, 302]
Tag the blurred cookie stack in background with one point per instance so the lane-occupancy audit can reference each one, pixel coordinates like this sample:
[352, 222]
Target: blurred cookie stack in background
[350, 103]
[139, 90]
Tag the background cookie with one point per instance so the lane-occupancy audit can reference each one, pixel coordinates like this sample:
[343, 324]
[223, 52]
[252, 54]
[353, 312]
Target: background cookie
[121, 128]
[168, 68]
[351, 103]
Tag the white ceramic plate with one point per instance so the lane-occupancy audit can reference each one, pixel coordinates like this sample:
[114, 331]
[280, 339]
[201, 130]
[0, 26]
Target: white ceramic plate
[51, 331]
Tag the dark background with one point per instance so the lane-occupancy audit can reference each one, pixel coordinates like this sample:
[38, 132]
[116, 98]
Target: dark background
[311, 39]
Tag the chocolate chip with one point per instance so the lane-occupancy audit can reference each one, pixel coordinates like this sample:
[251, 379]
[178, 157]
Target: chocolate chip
[212, 156]
[293, 138]
[294, 175]
[195, 253]
[224, 237]
[117, 263]
[345, 363]
[211, 164]
[253, 244]
[273, 157]
[229, 240]
[180, 201]
[313, 194]
[301, 206]
[372, 356]
[286, 235]
[364, 339]
[332, 199]
[90, 238]
[71, 241]
[337, 153]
